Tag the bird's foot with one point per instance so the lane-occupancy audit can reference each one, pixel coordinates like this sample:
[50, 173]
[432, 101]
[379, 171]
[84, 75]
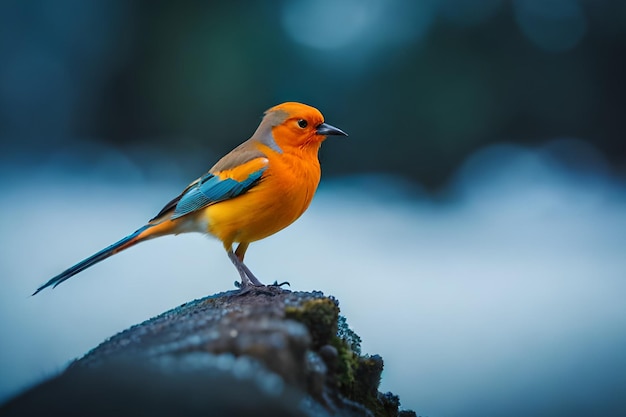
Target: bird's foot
[251, 288]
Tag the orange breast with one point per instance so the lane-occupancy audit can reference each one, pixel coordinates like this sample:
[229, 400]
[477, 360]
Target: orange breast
[284, 193]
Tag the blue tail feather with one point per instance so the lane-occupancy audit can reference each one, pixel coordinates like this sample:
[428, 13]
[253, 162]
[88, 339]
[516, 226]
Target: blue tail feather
[92, 260]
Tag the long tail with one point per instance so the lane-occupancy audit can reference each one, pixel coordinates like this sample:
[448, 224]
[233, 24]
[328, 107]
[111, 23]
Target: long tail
[146, 232]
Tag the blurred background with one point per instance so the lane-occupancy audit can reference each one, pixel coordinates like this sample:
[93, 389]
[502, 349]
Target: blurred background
[473, 225]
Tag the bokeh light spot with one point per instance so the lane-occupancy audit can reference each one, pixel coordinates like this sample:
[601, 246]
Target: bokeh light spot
[356, 27]
[556, 26]
[328, 24]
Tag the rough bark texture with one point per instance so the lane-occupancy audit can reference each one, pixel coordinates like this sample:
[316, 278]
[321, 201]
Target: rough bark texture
[274, 353]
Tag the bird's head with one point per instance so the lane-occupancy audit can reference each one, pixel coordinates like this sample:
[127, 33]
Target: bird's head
[297, 125]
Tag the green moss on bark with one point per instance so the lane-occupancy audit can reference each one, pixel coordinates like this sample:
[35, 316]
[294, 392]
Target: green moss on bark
[356, 376]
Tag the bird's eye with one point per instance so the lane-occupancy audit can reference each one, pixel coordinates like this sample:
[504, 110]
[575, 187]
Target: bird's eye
[302, 123]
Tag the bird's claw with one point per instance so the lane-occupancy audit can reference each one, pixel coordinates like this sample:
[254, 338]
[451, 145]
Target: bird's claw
[272, 289]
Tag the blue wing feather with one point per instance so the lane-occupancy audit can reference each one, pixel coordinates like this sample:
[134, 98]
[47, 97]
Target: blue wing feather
[212, 189]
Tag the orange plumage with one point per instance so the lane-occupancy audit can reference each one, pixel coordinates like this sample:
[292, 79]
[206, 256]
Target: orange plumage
[256, 190]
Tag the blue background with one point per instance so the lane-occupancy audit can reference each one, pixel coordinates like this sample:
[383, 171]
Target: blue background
[473, 225]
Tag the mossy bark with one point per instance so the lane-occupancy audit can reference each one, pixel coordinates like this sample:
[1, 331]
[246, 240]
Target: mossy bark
[277, 353]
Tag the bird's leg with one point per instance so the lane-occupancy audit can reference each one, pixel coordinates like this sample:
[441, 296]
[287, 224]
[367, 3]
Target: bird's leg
[249, 283]
[240, 252]
[237, 259]
[250, 275]
[245, 281]
[256, 282]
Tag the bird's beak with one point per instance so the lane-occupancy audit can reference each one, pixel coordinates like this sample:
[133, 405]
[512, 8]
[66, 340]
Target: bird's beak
[327, 130]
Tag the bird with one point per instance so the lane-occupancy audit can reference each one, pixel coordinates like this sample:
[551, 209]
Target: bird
[259, 188]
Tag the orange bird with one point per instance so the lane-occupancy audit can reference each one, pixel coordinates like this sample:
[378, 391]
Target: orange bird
[259, 188]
